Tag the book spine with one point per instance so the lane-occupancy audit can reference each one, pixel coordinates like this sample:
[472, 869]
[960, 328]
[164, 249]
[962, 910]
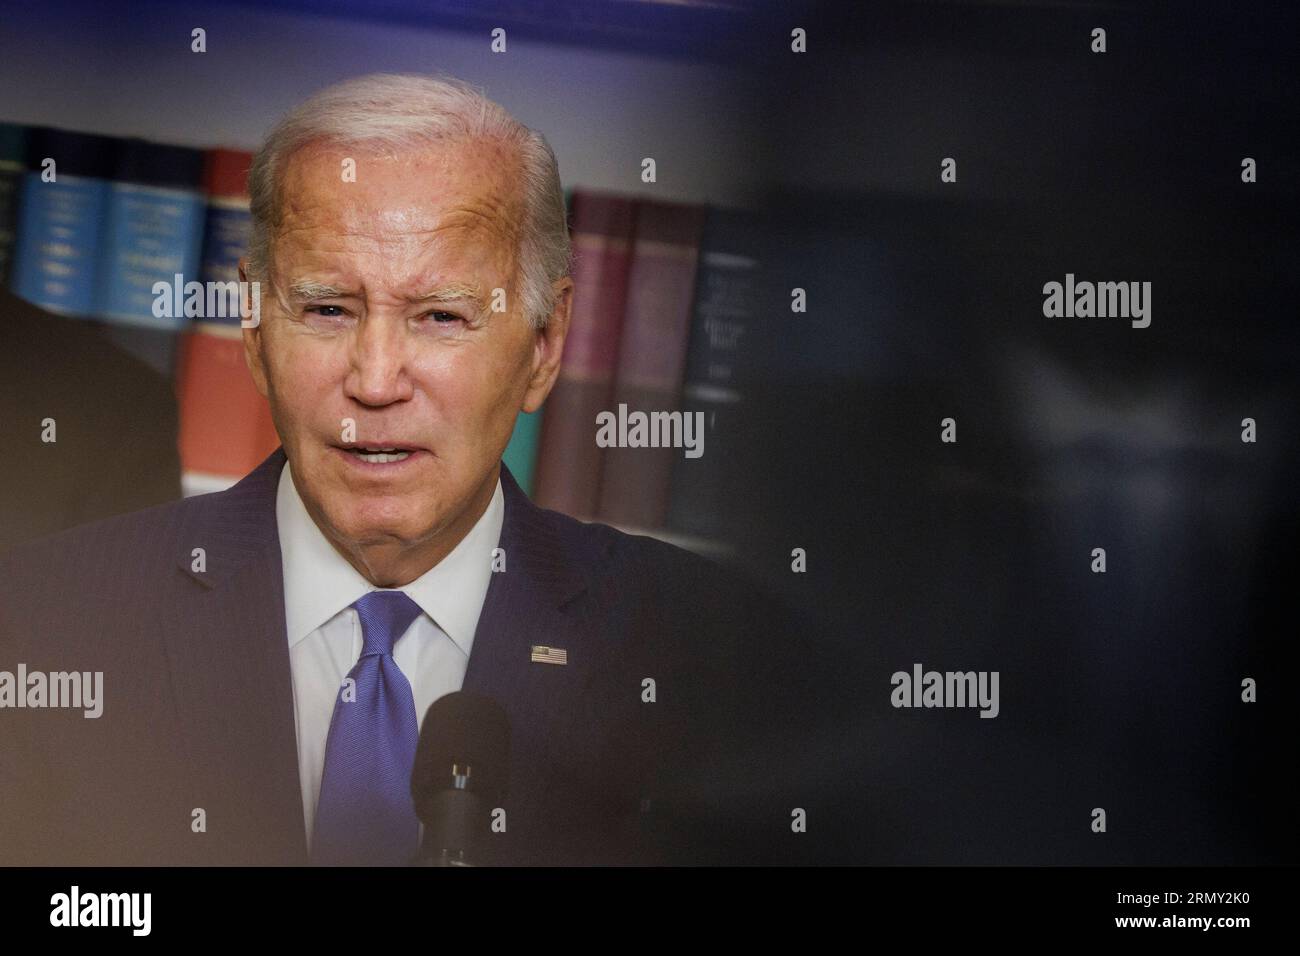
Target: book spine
[12, 150]
[635, 481]
[570, 462]
[56, 250]
[228, 227]
[718, 367]
[521, 454]
[153, 233]
[225, 422]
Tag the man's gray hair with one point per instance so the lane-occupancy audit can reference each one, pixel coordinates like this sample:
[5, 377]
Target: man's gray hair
[398, 111]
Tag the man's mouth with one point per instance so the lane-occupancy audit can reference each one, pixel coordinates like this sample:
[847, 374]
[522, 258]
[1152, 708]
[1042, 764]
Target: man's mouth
[380, 457]
[379, 453]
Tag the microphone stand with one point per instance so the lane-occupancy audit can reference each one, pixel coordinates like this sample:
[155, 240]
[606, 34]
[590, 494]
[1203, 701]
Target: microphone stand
[449, 823]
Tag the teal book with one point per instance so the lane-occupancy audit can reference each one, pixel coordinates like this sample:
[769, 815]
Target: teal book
[521, 454]
[525, 442]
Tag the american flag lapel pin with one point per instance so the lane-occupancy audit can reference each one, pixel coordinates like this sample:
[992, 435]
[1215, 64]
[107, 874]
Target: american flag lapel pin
[541, 654]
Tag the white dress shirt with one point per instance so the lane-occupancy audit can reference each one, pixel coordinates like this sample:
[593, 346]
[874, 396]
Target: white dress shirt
[324, 632]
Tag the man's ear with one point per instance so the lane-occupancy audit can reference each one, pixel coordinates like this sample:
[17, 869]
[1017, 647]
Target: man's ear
[253, 333]
[548, 346]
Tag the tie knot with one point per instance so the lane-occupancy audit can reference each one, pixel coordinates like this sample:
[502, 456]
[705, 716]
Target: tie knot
[385, 616]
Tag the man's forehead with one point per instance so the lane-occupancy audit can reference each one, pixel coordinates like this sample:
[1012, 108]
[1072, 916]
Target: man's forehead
[463, 186]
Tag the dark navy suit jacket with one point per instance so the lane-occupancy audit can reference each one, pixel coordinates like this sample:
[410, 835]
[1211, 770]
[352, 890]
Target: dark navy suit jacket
[194, 759]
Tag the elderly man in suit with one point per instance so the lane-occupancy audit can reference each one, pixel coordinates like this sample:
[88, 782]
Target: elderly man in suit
[269, 652]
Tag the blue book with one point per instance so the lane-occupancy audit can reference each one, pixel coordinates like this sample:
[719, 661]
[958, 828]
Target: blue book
[61, 214]
[153, 233]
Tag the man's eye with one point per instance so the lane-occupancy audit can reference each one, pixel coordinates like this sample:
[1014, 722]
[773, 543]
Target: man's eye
[444, 317]
[323, 310]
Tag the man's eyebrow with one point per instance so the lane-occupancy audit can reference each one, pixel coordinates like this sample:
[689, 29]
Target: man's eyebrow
[306, 290]
[302, 290]
[453, 293]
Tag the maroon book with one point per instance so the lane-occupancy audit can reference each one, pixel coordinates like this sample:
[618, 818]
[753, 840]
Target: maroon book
[570, 463]
[635, 482]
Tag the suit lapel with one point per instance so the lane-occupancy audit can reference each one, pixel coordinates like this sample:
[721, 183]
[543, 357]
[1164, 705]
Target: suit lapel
[524, 607]
[523, 603]
[537, 600]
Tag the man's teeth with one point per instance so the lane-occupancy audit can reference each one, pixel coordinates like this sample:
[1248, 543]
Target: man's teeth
[380, 457]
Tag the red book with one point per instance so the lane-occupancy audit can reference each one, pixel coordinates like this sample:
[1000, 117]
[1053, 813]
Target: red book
[225, 423]
[569, 464]
[635, 482]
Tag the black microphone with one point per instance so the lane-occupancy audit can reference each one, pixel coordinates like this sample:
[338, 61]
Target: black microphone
[461, 772]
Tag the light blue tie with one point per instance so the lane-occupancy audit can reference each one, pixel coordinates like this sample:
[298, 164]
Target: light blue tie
[365, 815]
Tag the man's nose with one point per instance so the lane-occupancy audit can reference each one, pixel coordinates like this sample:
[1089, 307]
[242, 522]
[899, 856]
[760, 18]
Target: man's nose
[378, 374]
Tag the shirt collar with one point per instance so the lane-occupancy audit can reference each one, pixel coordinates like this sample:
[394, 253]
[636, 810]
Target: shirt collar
[319, 582]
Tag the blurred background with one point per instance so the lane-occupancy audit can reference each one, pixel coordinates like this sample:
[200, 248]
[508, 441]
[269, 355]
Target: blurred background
[779, 170]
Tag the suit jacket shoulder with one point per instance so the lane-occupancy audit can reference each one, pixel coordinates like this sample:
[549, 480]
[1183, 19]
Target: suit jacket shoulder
[127, 561]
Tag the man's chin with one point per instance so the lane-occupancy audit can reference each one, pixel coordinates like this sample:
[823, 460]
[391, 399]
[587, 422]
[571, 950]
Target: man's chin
[378, 533]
